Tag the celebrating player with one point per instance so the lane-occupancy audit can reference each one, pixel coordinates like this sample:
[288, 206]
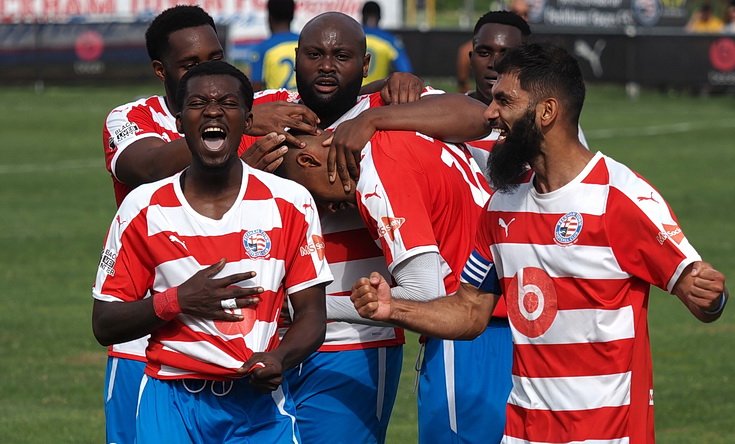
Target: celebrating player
[202, 261]
[574, 248]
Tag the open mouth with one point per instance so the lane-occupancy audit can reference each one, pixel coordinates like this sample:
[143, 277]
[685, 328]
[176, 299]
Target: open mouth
[325, 84]
[501, 134]
[214, 138]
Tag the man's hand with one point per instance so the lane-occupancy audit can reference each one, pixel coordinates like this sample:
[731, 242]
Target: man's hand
[265, 154]
[207, 297]
[372, 298]
[345, 148]
[277, 116]
[266, 372]
[707, 286]
[402, 87]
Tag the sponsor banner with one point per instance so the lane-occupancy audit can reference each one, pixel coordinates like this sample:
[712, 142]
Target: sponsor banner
[609, 13]
[247, 19]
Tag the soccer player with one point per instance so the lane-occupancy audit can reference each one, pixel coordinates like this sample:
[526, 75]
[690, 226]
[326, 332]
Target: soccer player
[271, 62]
[353, 378]
[202, 262]
[142, 144]
[573, 245]
[386, 50]
[420, 199]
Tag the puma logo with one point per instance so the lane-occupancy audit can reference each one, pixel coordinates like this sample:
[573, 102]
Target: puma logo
[175, 239]
[308, 206]
[642, 198]
[591, 54]
[120, 222]
[505, 226]
[373, 194]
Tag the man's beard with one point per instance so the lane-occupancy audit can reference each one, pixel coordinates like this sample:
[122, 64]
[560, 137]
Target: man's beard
[509, 160]
[329, 107]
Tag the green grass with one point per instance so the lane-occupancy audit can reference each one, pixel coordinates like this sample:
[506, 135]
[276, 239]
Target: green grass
[56, 203]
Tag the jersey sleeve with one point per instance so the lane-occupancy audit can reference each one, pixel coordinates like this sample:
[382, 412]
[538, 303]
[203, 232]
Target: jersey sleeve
[479, 271]
[392, 205]
[122, 275]
[644, 234]
[306, 262]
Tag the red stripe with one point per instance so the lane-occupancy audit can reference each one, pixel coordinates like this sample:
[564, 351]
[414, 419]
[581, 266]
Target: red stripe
[367, 345]
[598, 175]
[555, 360]
[574, 293]
[567, 426]
[350, 245]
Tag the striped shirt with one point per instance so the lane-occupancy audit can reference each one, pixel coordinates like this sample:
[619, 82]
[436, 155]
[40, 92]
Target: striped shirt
[157, 241]
[575, 266]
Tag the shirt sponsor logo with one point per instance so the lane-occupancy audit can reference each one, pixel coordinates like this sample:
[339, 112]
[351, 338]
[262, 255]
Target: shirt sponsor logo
[315, 246]
[127, 130]
[531, 300]
[389, 226]
[568, 228]
[257, 243]
[107, 261]
[672, 232]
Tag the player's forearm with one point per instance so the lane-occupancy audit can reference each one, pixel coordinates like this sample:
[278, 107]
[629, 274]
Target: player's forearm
[449, 117]
[459, 316]
[304, 337]
[341, 308]
[118, 322]
[151, 159]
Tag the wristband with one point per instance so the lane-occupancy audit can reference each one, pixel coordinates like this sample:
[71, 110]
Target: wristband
[723, 299]
[166, 304]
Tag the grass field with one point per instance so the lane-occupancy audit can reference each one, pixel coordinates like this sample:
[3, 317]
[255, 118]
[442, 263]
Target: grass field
[56, 203]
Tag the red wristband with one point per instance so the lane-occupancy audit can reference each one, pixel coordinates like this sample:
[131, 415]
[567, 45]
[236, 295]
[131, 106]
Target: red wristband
[166, 304]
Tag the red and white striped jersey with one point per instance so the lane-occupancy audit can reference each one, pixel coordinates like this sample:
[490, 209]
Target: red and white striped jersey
[157, 241]
[419, 195]
[135, 121]
[351, 251]
[576, 266]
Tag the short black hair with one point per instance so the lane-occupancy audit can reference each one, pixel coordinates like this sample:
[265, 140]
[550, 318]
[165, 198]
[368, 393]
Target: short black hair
[503, 18]
[546, 70]
[215, 68]
[370, 8]
[281, 10]
[170, 21]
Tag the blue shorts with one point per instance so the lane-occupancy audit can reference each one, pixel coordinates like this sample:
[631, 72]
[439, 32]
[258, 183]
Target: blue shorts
[346, 397]
[122, 384]
[464, 387]
[188, 411]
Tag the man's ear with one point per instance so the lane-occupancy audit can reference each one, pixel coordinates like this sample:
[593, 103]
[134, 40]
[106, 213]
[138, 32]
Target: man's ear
[306, 159]
[178, 124]
[248, 123]
[365, 65]
[547, 111]
[158, 70]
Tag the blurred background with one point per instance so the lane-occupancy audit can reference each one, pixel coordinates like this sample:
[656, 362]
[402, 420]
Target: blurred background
[636, 43]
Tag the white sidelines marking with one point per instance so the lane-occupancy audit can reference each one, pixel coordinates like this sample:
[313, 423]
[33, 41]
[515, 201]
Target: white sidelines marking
[657, 130]
[51, 167]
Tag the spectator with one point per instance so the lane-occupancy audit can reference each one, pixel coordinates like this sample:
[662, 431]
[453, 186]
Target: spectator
[729, 22]
[386, 50]
[270, 63]
[703, 21]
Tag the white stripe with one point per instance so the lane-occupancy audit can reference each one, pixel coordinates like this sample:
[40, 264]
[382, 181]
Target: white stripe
[512, 440]
[382, 359]
[579, 261]
[52, 167]
[448, 350]
[583, 327]
[143, 383]
[159, 217]
[573, 393]
[111, 383]
[176, 272]
[587, 199]
[280, 400]
[347, 273]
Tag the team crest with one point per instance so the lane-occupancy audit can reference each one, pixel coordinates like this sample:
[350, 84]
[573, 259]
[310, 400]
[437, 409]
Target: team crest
[257, 243]
[568, 228]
